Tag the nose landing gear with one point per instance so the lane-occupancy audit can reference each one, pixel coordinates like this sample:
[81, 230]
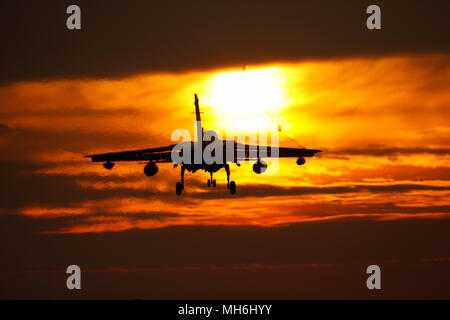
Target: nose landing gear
[211, 181]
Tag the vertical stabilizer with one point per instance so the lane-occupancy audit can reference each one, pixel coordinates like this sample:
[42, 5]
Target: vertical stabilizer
[198, 123]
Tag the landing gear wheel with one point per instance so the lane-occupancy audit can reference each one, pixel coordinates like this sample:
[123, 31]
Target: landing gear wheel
[232, 187]
[179, 188]
[214, 183]
[209, 183]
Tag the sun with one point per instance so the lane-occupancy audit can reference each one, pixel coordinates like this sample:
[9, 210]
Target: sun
[247, 100]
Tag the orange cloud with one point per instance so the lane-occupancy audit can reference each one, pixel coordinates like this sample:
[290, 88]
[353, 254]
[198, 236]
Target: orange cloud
[382, 123]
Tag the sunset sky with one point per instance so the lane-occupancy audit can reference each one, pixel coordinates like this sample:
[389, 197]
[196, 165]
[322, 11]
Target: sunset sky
[375, 102]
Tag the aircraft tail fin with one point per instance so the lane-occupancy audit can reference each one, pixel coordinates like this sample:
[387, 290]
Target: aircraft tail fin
[197, 109]
[198, 119]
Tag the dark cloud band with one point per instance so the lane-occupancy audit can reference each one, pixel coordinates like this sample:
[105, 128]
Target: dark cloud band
[119, 39]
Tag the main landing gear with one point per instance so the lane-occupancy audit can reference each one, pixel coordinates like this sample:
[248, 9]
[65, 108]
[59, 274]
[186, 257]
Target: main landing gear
[180, 185]
[230, 185]
[179, 188]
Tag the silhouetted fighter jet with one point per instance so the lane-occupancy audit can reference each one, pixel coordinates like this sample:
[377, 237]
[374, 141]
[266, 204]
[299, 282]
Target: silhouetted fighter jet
[239, 153]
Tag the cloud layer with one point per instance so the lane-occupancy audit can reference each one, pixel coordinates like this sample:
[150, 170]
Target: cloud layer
[121, 39]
